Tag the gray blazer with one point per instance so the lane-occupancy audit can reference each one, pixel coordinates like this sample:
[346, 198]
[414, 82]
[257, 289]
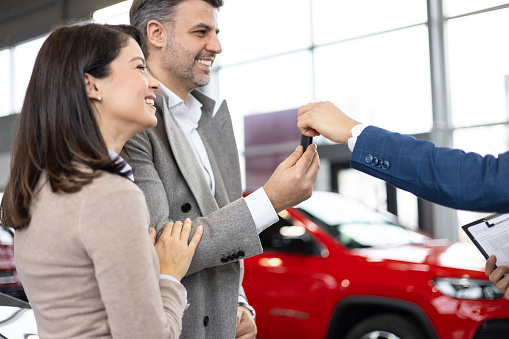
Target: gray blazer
[167, 171]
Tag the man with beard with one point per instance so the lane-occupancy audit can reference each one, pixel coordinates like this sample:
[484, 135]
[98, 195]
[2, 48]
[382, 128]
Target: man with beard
[188, 167]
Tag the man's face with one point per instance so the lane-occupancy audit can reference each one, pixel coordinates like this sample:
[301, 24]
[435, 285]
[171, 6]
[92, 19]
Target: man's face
[192, 45]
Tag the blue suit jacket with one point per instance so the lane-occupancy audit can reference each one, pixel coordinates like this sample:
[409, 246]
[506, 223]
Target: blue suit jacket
[449, 177]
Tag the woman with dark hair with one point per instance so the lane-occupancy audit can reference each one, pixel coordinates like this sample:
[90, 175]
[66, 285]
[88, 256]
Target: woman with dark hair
[83, 254]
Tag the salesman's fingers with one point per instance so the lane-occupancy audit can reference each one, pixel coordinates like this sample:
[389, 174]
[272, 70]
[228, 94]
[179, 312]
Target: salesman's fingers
[490, 265]
[152, 234]
[306, 108]
[196, 238]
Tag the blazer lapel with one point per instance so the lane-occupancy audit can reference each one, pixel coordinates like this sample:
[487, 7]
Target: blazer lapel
[217, 135]
[185, 159]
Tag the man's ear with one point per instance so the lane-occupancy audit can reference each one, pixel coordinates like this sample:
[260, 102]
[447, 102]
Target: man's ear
[93, 90]
[156, 34]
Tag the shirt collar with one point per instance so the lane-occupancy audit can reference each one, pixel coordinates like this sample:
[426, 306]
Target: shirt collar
[127, 168]
[192, 110]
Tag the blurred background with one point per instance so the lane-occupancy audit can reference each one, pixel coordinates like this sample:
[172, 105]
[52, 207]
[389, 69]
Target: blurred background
[433, 69]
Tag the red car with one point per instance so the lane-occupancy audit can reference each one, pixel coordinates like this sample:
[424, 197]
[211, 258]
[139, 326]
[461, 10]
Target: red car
[333, 268]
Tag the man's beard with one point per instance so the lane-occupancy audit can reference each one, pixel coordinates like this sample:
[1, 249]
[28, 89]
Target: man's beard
[178, 64]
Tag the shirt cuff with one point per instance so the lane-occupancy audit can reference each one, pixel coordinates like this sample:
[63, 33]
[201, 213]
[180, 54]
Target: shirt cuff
[356, 131]
[169, 277]
[261, 209]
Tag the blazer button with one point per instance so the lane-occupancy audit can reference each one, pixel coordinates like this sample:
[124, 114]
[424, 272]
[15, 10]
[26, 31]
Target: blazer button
[374, 162]
[224, 260]
[380, 161]
[241, 254]
[186, 207]
[369, 158]
[386, 165]
[206, 321]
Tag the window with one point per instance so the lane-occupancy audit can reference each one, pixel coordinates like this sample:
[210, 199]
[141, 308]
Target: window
[24, 58]
[286, 237]
[250, 30]
[5, 83]
[382, 80]
[479, 64]
[458, 7]
[335, 20]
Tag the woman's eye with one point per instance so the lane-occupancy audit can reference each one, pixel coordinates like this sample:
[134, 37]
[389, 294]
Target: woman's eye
[142, 67]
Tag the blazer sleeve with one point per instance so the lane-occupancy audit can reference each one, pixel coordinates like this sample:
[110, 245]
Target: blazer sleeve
[138, 304]
[229, 233]
[445, 176]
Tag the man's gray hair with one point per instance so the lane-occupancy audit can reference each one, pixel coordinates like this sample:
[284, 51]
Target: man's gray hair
[142, 11]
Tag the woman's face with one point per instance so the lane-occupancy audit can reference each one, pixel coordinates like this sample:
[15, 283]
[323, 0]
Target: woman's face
[126, 105]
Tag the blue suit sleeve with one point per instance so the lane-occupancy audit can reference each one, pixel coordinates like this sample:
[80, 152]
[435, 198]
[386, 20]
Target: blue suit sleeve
[445, 176]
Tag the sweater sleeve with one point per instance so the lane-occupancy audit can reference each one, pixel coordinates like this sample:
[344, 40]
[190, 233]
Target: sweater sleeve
[113, 223]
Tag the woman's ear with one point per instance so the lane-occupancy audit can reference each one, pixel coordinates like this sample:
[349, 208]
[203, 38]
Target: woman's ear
[93, 90]
[156, 34]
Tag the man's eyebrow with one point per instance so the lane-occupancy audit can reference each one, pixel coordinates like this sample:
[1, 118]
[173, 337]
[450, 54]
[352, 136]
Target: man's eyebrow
[204, 26]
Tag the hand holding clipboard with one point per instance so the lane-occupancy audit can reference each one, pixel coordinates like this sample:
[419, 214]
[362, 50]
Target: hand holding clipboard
[491, 236]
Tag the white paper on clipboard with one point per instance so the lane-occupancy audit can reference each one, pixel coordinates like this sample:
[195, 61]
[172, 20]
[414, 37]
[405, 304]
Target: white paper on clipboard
[491, 236]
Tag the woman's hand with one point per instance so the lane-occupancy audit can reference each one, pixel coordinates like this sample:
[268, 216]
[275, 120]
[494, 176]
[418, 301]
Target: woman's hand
[174, 253]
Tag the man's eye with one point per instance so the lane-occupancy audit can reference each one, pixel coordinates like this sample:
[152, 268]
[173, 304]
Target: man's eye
[201, 32]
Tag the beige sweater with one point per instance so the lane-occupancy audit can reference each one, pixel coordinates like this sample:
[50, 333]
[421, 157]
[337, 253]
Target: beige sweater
[89, 268]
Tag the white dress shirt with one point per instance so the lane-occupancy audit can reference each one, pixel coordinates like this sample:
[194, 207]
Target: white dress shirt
[356, 131]
[188, 114]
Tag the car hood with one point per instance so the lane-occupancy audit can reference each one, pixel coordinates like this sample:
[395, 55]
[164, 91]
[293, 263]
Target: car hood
[435, 253]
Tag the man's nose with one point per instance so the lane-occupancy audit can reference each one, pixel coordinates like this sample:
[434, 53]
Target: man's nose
[214, 45]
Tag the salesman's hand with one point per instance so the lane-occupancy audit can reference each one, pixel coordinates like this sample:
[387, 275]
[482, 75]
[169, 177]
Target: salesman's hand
[246, 326]
[326, 119]
[497, 275]
[293, 180]
[174, 253]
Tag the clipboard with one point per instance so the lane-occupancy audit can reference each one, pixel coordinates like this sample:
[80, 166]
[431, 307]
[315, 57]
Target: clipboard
[491, 236]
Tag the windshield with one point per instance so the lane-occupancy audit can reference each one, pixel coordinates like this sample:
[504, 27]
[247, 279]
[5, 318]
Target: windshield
[355, 225]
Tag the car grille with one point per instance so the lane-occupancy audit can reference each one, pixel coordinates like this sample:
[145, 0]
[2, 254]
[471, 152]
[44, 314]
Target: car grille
[493, 329]
[7, 277]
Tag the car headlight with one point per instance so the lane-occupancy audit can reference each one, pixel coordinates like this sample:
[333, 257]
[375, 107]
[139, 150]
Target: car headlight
[464, 288]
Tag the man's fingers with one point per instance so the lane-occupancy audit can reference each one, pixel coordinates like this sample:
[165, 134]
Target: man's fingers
[293, 158]
[307, 158]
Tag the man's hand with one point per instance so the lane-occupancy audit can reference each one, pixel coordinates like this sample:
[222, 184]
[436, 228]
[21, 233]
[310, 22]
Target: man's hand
[497, 275]
[246, 326]
[326, 119]
[293, 180]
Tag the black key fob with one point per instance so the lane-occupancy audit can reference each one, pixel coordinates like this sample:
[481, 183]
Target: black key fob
[305, 141]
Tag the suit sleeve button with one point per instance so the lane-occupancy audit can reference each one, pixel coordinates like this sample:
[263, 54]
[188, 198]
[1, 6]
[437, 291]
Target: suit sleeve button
[241, 254]
[374, 162]
[186, 207]
[369, 158]
[224, 260]
[386, 165]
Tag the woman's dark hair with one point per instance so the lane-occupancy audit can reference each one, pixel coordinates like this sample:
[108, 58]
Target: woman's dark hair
[57, 128]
